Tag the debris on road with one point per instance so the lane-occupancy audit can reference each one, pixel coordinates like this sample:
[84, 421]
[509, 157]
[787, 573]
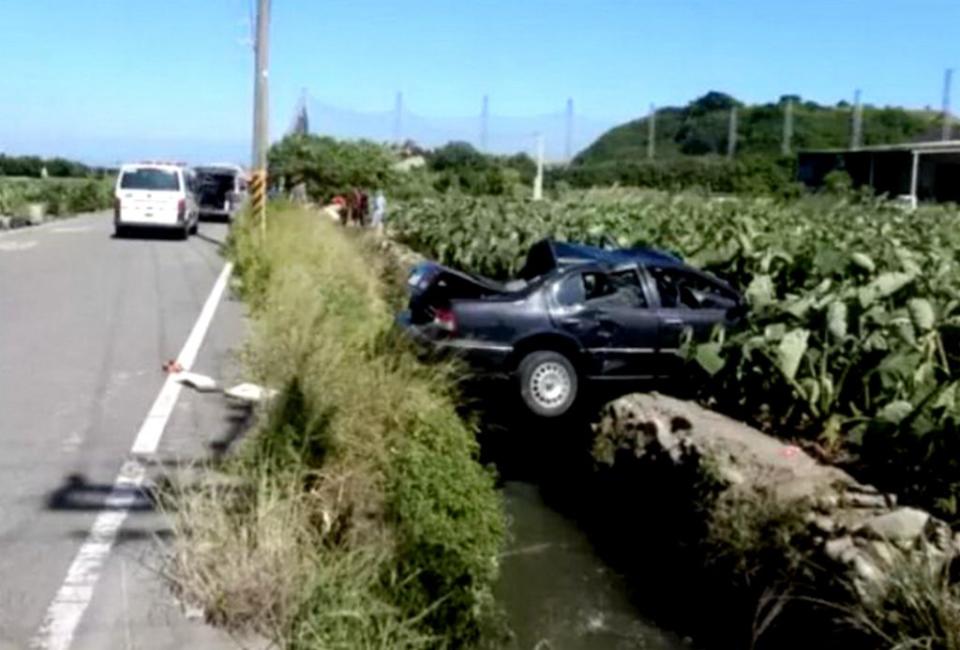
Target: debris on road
[250, 392]
[202, 383]
[172, 366]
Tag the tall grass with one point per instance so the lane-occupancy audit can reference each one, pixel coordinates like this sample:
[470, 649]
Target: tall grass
[367, 519]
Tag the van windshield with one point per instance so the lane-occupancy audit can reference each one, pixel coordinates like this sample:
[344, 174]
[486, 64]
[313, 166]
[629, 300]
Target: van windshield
[149, 178]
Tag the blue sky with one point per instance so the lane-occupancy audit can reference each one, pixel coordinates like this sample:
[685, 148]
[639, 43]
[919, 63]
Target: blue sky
[105, 80]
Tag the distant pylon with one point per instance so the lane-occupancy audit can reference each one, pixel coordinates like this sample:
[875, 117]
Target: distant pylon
[787, 127]
[484, 123]
[398, 118]
[652, 132]
[856, 132]
[946, 133]
[732, 133]
[301, 120]
[568, 144]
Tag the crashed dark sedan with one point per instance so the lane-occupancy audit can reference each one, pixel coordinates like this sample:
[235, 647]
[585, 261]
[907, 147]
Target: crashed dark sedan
[576, 313]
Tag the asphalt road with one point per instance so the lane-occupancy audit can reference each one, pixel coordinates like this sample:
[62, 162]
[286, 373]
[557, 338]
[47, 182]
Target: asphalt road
[86, 322]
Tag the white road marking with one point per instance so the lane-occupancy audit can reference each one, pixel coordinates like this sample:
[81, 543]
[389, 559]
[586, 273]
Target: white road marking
[68, 229]
[71, 601]
[7, 246]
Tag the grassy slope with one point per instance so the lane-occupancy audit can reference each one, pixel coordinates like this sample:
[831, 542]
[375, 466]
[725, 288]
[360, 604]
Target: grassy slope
[368, 523]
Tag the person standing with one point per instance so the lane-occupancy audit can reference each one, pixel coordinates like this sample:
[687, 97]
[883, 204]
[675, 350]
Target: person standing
[379, 211]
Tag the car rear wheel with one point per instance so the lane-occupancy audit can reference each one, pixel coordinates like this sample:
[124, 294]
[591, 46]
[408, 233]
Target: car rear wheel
[548, 383]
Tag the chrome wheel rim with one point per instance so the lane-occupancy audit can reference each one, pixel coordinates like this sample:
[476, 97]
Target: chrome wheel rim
[550, 384]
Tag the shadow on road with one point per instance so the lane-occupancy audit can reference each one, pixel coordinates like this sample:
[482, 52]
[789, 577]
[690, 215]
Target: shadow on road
[140, 234]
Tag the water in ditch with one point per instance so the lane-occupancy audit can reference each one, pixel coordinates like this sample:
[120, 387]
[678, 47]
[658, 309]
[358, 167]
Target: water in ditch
[557, 591]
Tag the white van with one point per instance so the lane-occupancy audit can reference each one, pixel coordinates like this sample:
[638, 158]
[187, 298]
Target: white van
[155, 195]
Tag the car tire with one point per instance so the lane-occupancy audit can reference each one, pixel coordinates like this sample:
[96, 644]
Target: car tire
[119, 232]
[548, 383]
[184, 233]
[193, 228]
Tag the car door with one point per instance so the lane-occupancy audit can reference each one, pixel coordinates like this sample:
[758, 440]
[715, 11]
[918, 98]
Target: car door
[612, 321]
[688, 303]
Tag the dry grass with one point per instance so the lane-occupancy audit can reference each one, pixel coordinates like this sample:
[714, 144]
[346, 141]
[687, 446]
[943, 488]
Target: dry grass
[368, 523]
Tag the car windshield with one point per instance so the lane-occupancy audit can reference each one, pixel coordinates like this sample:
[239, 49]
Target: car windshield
[150, 178]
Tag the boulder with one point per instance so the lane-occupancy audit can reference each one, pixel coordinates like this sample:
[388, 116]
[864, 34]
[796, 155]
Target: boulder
[902, 524]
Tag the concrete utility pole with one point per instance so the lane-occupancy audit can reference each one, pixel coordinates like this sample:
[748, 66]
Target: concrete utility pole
[947, 124]
[261, 136]
[652, 132]
[568, 145]
[398, 118]
[856, 133]
[484, 123]
[732, 133]
[787, 128]
[538, 179]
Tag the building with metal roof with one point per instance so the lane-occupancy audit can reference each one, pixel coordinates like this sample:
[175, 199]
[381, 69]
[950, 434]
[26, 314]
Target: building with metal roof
[913, 171]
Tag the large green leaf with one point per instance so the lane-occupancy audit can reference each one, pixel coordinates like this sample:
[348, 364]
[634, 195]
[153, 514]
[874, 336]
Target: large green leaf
[791, 350]
[760, 292]
[837, 320]
[884, 285]
[709, 357]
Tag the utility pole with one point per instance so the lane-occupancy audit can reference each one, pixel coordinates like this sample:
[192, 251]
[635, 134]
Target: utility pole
[484, 123]
[947, 125]
[732, 133]
[261, 137]
[398, 118]
[856, 134]
[538, 180]
[568, 145]
[787, 127]
[652, 132]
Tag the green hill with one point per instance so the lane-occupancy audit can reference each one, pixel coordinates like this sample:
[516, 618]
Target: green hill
[700, 128]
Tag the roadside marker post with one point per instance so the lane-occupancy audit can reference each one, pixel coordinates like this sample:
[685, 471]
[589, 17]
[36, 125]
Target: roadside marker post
[258, 197]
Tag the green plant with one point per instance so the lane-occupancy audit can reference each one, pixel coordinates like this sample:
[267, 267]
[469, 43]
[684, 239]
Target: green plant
[854, 331]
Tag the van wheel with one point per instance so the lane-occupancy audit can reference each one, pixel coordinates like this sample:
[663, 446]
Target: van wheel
[193, 228]
[119, 232]
[548, 383]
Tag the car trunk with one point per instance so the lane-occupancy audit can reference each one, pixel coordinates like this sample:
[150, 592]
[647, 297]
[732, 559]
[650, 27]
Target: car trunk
[434, 287]
[216, 190]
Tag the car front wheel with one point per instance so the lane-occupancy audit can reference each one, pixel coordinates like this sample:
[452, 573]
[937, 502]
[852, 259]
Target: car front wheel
[548, 383]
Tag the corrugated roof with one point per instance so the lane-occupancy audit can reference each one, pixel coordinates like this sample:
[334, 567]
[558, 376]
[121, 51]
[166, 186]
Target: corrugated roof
[939, 146]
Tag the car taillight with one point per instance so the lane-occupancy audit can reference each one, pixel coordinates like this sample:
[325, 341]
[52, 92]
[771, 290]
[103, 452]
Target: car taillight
[181, 209]
[445, 320]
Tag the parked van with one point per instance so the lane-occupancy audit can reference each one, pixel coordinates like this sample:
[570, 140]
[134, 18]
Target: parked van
[156, 195]
[222, 190]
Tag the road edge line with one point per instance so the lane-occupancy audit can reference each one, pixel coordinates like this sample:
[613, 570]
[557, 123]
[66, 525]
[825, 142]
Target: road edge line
[65, 612]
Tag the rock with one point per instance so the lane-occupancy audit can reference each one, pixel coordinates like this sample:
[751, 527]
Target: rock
[838, 549]
[884, 552]
[901, 525]
[824, 524]
[856, 500]
[828, 503]
[866, 570]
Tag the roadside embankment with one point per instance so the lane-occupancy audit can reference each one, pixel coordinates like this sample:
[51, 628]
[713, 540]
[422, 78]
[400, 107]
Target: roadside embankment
[358, 516]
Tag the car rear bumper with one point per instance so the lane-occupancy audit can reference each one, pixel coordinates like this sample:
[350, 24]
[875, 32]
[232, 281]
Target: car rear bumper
[482, 356]
[149, 223]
